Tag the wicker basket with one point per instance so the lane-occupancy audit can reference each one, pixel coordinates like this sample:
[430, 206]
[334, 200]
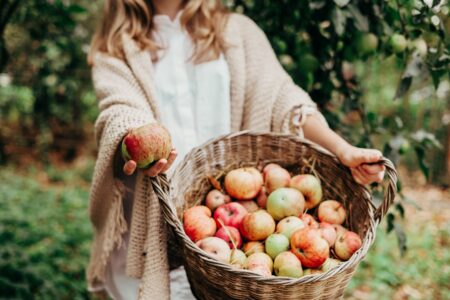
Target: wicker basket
[211, 279]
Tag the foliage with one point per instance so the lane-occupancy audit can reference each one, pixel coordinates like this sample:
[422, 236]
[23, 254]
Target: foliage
[44, 234]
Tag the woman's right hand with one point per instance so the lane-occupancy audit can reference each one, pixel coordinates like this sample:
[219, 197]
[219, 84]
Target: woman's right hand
[160, 166]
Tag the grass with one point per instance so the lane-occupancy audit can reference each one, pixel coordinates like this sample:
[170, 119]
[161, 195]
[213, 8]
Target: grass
[45, 235]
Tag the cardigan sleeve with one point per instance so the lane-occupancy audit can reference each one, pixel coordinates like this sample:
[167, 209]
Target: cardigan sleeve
[264, 70]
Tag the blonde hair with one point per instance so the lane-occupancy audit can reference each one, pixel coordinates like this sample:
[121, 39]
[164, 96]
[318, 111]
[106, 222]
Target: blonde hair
[204, 20]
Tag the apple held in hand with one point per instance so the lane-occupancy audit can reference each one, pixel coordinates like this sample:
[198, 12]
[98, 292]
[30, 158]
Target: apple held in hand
[230, 235]
[347, 244]
[198, 224]
[288, 265]
[216, 198]
[230, 214]
[147, 144]
[332, 212]
[288, 225]
[276, 178]
[309, 221]
[275, 244]
[328, 232]
[237, 258]
[253, 247]
[310, 247]
[310, 187]
[249, 205]
[285, 202]
[257, 226]
[215, 247]
[243, 183]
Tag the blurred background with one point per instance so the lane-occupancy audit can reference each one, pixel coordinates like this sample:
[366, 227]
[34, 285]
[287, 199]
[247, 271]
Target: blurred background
[379, 71]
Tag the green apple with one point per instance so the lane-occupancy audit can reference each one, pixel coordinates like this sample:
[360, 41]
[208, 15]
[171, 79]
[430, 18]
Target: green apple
[285, 202]
[237, 258]
[329, 264]
[288, 265]
[288, 225]
[398, 43]
[275, 244]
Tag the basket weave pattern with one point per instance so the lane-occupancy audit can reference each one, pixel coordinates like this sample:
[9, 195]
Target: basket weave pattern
[211, 279]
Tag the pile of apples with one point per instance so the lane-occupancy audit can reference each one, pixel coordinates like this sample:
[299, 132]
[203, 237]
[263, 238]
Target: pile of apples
[260, 223]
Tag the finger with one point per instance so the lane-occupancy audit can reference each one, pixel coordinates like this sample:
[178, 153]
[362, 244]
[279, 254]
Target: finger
[129, 167]
[154, 170]
[367, 156]
[372, 169]
[359, 178]
[370, 178]
[172, 156]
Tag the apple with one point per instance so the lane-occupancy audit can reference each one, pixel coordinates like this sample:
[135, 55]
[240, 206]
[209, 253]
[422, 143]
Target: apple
[328, 232]
[347, 244]
[288, 265]
[259, 260]
[230, 235]
[237, 258]
[262, 198]
[285, 202]
[329, 264]
[216, 198]
[269, 168]
[276, 178]
[146, 144]
[340, 230]
[215, 247]
[309, 221]
[253, 247]
[230, 214]
[310, 187]
[257, 226]
[275, 244]
[249, 205]
[312, 272]
[243, 183]
[288, 225]
[198, 224]
[331, 211]
[310, 247]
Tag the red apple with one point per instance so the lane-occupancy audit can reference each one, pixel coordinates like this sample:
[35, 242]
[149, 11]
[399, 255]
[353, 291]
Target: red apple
[328, 232]
[310, 187]
[230, 214]
[198, 223]
[331, 211]
[262, 198]
[257, 226]
[288, 225]
[249, 205]
[340, 230]
[310, 247]
[230, 235]
[216, 198]
[215, 247]
[260, 263]
[253, 247]
[147, 144]
[243, 183]
[285, 202]
[276, 178]
[309, 221]
[269, 168]
[347, 244]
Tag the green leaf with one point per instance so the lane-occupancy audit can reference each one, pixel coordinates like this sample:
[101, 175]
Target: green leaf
[339, 20]
[403, 87]
[390, 222]
[401, 238]
[341, 3]
[361, 22]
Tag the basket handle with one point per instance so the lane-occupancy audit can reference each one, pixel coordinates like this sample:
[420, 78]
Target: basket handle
[389, 196]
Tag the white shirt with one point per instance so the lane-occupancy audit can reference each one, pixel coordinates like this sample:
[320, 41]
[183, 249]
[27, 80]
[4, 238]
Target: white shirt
[194, 99]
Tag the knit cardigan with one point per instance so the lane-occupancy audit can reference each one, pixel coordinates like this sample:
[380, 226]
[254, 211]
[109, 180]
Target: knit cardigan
[262, 98]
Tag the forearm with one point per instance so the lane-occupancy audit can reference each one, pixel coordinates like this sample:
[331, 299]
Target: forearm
[315, 130]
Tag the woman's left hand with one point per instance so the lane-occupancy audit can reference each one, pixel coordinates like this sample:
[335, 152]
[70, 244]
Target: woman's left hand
[362, 163]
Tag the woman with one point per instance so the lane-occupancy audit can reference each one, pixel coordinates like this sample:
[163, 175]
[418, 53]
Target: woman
[202, 72]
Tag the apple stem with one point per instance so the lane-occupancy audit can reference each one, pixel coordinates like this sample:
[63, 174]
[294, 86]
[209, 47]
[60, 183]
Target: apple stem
[228, 233]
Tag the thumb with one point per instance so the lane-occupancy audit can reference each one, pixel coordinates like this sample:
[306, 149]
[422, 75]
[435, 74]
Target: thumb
[129, 167]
